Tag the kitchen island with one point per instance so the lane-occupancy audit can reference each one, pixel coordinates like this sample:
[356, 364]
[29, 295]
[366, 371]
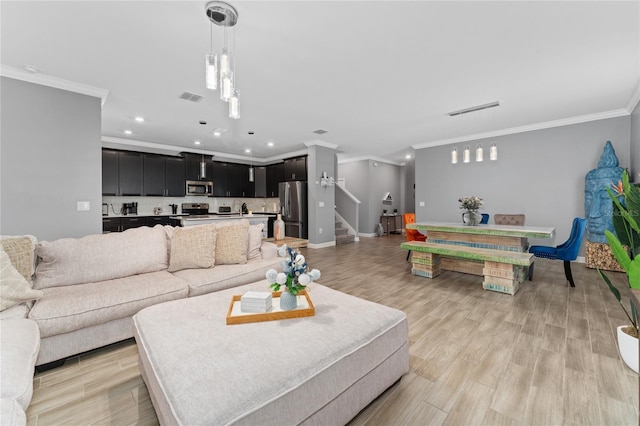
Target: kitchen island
[253, 219]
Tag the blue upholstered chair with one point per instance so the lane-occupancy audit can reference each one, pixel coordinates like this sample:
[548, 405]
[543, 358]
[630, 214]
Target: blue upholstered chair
[485, 218]
[566, 251]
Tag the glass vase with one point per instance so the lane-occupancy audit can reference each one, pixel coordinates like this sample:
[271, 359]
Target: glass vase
[471, 218]
[288, 301]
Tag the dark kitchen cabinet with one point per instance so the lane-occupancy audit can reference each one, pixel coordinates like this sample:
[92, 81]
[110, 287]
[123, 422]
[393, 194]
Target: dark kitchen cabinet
[110, 184]
[232, 180]
[132, 222]
[260, 181]
[192, 167]
[111, 224]
[163, 176]
[130, 173]
[295, 168]
[275, 175]
[121, 173]
[157, 220]
[119, 224]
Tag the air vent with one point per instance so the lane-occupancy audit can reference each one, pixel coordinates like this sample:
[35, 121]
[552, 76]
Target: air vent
[320, 131]
[474, 108]
[191, 97]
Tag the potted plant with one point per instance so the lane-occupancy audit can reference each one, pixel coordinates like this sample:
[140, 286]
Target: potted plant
[626, 218]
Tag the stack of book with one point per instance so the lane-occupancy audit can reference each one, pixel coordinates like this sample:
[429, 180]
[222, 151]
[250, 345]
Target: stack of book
[255, 301]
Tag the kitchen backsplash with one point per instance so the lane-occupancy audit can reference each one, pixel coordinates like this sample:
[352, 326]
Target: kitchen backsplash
[147, 204]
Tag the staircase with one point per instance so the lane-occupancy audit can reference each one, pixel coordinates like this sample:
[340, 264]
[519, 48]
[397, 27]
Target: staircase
[342, 234]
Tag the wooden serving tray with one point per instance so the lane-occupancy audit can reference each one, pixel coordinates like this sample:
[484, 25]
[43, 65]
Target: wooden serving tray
[236, 316]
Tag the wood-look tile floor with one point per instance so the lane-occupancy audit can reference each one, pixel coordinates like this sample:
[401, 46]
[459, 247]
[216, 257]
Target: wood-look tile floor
[544, 356]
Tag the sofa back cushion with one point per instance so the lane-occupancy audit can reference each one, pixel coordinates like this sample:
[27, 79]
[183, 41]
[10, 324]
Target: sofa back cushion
[101, 257]
[232, 243]
[193, 247]
[21, 252]
[255, 241]
[14, 288]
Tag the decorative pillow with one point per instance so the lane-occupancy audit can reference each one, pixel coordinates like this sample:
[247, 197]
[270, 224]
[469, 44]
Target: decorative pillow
[255, 241]
[193, 247]
[14, 288]
[231, 244]
[21, 253]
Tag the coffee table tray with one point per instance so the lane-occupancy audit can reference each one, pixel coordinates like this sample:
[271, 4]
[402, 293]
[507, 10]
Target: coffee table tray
[236, 316]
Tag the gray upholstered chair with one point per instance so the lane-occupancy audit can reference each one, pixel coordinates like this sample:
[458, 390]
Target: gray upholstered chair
[509, 219]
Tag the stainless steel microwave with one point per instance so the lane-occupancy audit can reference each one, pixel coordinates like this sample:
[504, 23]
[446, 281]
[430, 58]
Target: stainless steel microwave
[199, 187]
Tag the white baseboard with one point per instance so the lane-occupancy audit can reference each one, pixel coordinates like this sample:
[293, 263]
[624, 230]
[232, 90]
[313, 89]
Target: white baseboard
[361, 234]
[322, 245]
[580, 259]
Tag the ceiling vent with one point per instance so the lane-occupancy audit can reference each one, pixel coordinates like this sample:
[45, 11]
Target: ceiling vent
[187, 96]
[320, 132]
[474, 108]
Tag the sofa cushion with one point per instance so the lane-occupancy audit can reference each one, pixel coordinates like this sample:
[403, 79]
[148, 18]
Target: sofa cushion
[21, 252]
[16, 311]
[12, 413]
[202, 281]
[14, 288]
[255, 241]
[69, 308]
[102, 257]
[231, 244]
[20, 343]
[193, 247]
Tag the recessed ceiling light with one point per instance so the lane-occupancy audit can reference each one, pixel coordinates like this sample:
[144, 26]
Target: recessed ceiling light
[31, 69]
[216, 133]
[269, 143]
[219, 131]
[408, 156]
[128, 132]
[196, 142]
[139, 119]
[247, 151]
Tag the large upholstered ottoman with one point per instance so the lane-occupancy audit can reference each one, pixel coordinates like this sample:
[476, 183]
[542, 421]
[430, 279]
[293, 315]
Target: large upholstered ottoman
[315, 370]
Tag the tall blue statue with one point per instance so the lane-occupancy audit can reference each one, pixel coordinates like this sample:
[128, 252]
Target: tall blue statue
[598, 206]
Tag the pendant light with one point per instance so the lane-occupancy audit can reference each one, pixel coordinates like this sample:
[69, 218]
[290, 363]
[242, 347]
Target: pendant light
[454, 156]
[234, 105]
[203, 168]
[493, 152]
[479, 153]
[466, 154]
[211, 64]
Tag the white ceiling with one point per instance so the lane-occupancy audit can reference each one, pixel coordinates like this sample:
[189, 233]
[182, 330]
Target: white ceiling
[379, 76]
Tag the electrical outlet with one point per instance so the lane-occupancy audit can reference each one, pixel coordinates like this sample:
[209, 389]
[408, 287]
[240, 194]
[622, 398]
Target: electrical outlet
[321, 204]
[319, 230]
[84, 206]
[421, 203]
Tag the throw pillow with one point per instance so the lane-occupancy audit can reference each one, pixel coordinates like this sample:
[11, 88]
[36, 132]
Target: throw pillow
[21, 253]
[231, 244]
[193, 247]
[14, 288]
[255, 241]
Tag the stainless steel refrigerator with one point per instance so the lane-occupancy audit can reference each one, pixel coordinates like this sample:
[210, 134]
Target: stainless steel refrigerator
[293, 206]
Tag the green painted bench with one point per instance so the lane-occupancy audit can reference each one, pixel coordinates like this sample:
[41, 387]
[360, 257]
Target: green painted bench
[503, 271]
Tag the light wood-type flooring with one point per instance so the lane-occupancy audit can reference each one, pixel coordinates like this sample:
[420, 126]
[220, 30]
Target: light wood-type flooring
[545, 356]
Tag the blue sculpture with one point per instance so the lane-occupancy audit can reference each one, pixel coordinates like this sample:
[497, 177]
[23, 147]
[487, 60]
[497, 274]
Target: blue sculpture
[598, 206]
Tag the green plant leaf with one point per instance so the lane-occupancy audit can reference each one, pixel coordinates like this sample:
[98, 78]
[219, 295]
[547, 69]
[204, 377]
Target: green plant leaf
[634, 313]
[634, 273]
[616, 293]
[618, 251]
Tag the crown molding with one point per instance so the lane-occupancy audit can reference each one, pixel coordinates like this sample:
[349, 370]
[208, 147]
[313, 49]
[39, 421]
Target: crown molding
[634, 100]
[55, 82]
[528, 128]
[369, 158]
[319, 142]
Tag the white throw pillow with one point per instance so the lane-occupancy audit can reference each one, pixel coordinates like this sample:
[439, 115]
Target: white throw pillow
[193, 247]
[14, 289]
[255, 241]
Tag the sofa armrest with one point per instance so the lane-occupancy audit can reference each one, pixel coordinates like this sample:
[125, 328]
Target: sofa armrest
[268, 250]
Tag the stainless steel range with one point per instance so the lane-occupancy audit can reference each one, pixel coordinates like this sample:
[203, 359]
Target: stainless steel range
[195, 209]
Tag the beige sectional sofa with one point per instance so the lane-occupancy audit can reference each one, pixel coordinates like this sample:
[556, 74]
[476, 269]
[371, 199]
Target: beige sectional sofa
[92, 286]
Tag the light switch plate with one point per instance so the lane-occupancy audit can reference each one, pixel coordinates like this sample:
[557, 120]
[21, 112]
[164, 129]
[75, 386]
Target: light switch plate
[321, 204]
[421, 203]
[84, 206]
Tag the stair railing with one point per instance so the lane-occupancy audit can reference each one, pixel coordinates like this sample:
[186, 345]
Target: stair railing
[348, 208]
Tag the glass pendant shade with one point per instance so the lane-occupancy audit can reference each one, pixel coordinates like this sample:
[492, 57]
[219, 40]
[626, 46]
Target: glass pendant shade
[466, 154]
[493, 152]
[479, 154]
[251, 176]
[234, 109]
[203, 169]
[454, 156]
[225, 62]
[211, 64]
[226, 86]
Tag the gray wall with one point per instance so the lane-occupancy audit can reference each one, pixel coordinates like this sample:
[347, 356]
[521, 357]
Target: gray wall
[635, 144]
[49, 160]
[368, 181]
[539, 173]
[320, 160]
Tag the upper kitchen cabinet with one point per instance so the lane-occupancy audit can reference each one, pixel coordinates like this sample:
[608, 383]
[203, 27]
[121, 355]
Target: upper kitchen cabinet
[260, 181]
[110, 184]
[275, 175]
[163, 176]
[121, 173]
[193, 170]
[232, 180]
[295, 168]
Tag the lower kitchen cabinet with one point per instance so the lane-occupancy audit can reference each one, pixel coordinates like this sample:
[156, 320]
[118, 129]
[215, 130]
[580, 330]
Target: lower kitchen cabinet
[119, 224]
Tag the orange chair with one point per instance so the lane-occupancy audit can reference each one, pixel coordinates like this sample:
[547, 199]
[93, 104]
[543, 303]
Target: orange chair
[412, 234]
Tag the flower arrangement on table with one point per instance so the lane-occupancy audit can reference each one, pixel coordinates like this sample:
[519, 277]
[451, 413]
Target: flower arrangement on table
[470, 203]
[295, 275]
